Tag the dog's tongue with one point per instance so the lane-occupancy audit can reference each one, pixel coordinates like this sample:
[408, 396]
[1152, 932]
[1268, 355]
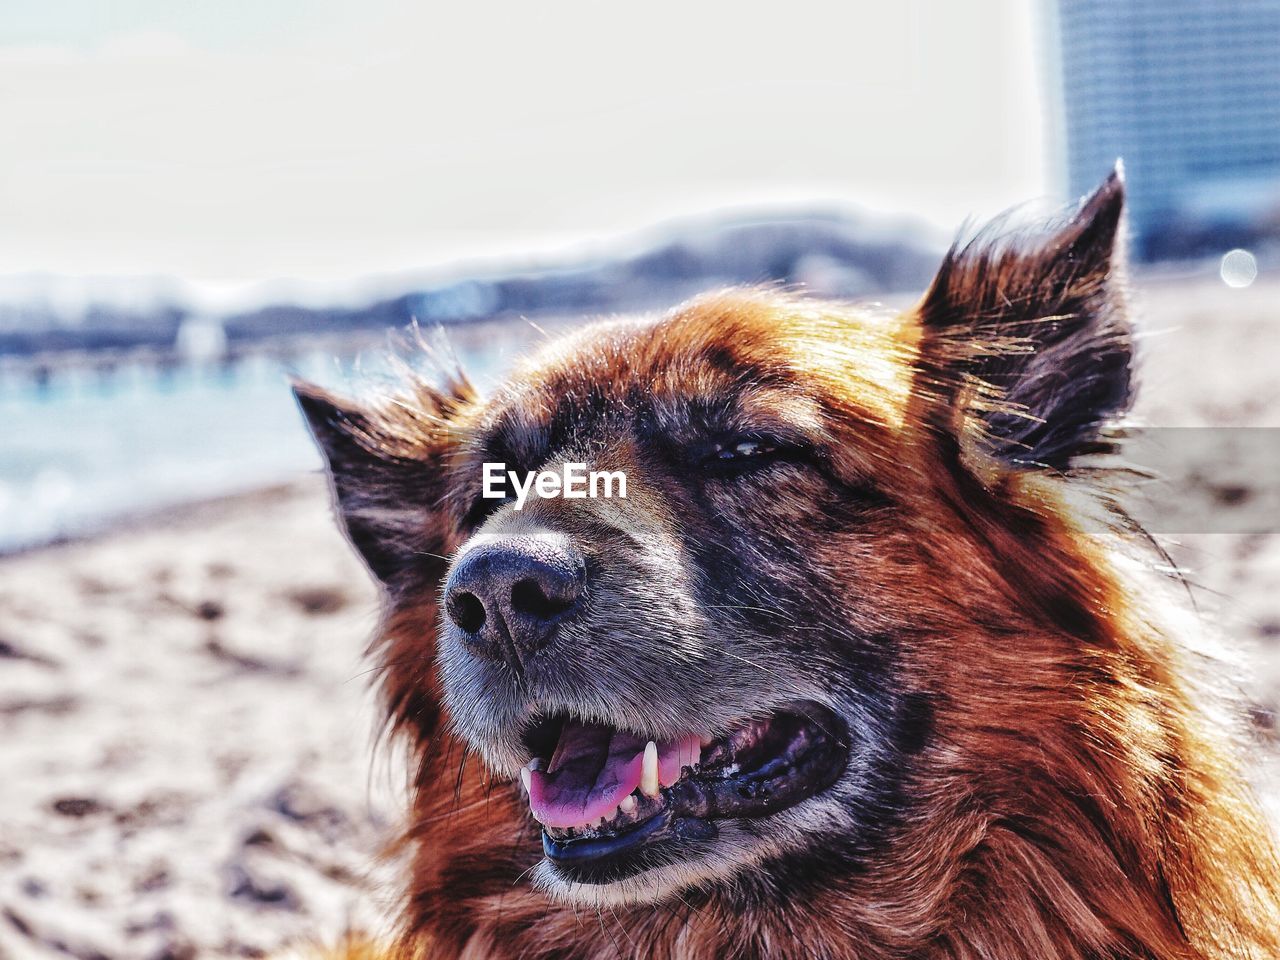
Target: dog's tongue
[594, 768]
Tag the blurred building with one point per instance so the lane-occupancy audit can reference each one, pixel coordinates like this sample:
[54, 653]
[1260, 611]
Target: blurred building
[1187, 92]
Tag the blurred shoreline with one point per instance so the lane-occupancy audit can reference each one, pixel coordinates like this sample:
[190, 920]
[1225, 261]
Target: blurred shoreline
[164, 516]
[85, 452]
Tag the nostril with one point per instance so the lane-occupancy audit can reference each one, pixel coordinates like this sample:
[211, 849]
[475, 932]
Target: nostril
[528, 597]
[466, 610]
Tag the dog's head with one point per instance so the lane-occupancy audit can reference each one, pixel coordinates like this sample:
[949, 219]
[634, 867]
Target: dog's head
[830, 518]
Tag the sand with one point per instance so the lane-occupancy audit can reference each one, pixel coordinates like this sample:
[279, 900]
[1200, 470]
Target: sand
[186, 728]
[185, 738]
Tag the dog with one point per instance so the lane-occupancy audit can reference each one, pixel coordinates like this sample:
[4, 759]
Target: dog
[850, 671]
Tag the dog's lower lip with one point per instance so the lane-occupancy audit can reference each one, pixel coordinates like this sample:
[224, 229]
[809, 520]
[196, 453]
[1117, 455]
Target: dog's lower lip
[760, 768]
[566, 850]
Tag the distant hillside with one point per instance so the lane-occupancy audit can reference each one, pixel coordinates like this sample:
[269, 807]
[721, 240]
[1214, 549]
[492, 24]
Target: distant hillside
[831, 254]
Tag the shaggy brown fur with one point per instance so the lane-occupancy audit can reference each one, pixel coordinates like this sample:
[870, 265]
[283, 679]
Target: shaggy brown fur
[1055, 784]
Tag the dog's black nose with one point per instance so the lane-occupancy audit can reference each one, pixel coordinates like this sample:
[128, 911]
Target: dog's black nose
[508, 594]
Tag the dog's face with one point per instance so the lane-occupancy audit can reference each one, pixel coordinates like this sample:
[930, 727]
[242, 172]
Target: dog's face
[721, 671]
[721, 611]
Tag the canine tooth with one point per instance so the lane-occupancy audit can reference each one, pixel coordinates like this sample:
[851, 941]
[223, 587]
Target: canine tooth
[649, 770]
[525, 777]
[628, 804]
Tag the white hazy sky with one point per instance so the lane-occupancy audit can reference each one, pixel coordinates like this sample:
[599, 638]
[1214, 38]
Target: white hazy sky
[245, 139]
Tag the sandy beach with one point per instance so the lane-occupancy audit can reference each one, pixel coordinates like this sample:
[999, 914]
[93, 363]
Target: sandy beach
[187, 737]
[187, 729]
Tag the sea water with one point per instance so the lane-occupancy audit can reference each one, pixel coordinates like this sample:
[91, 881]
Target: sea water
[85, 448]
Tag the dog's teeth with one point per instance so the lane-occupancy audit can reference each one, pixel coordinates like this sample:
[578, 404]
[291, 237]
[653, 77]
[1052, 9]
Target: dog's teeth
[649, 771]
[525, 777]
[628, 804]
[535, 763]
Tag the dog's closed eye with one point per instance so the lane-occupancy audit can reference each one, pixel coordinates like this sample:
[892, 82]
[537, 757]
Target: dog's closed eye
[750, 448]
[744, 453]
[748, 455]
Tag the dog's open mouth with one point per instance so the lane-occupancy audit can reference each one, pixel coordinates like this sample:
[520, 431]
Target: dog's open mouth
[606, 798]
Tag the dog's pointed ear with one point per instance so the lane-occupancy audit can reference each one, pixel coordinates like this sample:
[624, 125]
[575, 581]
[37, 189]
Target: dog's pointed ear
[387, 477]
[1025, 345]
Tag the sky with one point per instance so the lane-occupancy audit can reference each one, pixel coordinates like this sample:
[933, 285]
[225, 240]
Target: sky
[234, 141]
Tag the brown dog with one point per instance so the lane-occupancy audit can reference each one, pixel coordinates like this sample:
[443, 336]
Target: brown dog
[848, 672]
